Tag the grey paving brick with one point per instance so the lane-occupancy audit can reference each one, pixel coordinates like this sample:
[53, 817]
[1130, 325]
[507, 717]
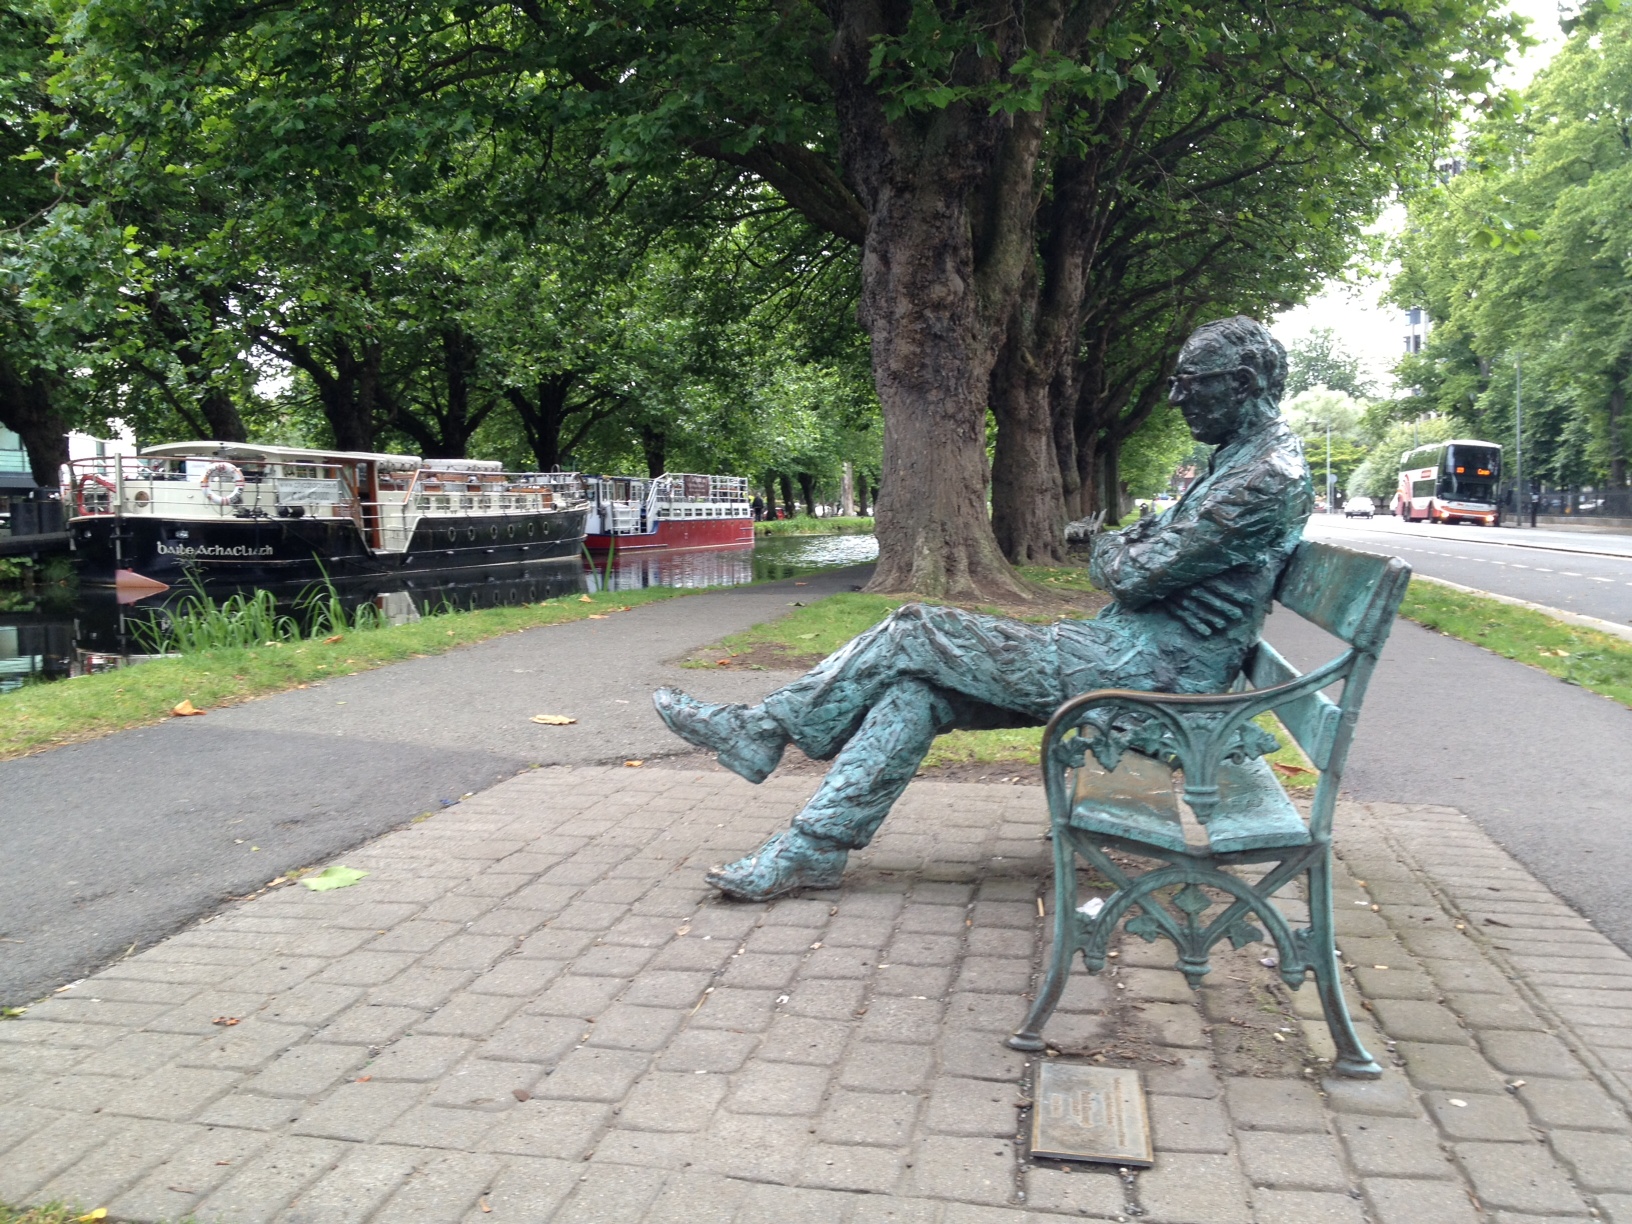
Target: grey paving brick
[623, 1027]
[877, 1209]
[261, 1189]
[252, 1112]
[540, 1039]
[173, 1093]
[588, 1074]
[1486, 1012]
[972, 1107]
[471, 1015]
[426, 1126]
[420, 987]
[1571, 1104]
[978, 1056]
[839, 963]
[441, 1190]
[739, 1010]
[966, 1169]
[609, 1193]
[783, 939]
[991, 974]
[1518, 1177]
[1307, 1161]
[1305, 1207]
[485, 1084]
[830, 999]
[308, 1070]
[1480, 1116]
[118, 1163]
[1202, 1189]
[578, 995]
[555, 944]
[760, 971]
[418, 1058]
[1526, 1054]
[354, 1189]
[672, 1102]
[369, 1025]
[713, 1050]
[358, 1111]
[778, 1088]
[1446, 1066]
[1274, 1104]
[884, 1067]
[370, 968]
[697, 1198]
[882, 1119]
[1415, 1020]
[1174, 1024]
[137, 1054]
[1601, 1162]
[1393, 1147]
[529, 1190]
[847, 1167]
[1390, 1096]
[1188, 1124]
[802, 1039]
[1617, 1208]
[187, 1176]
[563, 1128]
[667, 988]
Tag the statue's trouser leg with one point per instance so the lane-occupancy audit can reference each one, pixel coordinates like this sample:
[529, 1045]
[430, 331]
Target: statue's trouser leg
[874, 768]
[968, 657]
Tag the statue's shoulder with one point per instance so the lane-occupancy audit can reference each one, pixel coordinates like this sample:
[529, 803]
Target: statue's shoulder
[1274, 459]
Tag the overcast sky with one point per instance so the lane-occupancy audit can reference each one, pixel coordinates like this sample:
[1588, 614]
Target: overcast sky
[1376, 332]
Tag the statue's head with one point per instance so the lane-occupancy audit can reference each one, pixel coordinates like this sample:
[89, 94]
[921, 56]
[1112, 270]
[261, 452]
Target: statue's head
[1229, 378]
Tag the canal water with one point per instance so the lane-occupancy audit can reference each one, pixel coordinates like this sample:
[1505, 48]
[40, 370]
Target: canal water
[59, 634]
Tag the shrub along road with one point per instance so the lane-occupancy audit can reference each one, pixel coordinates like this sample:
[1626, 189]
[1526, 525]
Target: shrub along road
[118, 842]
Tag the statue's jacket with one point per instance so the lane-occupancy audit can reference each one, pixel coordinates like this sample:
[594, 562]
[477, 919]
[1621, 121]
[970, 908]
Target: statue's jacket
[1191, 587]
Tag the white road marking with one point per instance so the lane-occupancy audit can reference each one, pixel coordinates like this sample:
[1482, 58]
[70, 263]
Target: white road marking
[1595, 578]
[1569, 573]
[1516, 565]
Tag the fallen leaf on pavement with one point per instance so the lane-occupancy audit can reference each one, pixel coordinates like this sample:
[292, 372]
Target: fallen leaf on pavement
[186, 709]
[598, 616]
[330, 641]
[101, 1213]
[363, 1079]
[804, 637]
[482, 1202]
[633, 764]
[1291, 769]
[521, 1094]
[723, 662]
[554, 720]
[585, 599]
[333, 877]
[225, 1021]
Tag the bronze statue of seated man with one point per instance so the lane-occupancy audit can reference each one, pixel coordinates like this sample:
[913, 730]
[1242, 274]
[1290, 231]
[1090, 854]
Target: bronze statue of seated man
[1191, 588]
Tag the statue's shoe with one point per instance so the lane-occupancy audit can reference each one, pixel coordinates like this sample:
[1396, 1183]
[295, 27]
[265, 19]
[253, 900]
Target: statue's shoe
[746, 743]
[791, 860]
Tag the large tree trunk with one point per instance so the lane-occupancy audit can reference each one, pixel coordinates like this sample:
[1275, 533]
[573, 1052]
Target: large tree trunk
[221, 416]
[786, 482]
[26, 408]
[654, 443]
[1028, 502]
[807, 488]
[948, 195]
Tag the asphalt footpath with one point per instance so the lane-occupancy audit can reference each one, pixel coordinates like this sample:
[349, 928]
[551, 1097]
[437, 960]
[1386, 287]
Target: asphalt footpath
[108, 846]
[1541, 765]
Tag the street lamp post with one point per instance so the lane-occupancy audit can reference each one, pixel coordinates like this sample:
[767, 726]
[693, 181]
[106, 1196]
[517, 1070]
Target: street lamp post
[1521, 493]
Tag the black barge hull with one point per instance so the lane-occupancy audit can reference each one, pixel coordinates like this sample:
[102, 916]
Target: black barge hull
[264, 551]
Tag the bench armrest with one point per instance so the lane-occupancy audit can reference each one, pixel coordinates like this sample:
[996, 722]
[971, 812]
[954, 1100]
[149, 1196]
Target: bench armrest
[1200, 728]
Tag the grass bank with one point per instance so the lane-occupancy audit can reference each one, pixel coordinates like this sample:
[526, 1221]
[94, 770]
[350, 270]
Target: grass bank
[1585, 657]
[803, 524]
[67, 711]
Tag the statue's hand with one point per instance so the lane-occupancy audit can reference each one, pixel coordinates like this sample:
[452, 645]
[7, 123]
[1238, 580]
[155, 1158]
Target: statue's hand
[1206, 610]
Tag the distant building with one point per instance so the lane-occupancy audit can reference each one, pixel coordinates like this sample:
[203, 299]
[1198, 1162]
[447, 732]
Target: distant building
[1416, 329]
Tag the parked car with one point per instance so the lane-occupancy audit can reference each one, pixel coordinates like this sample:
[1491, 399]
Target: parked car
[1359, 507]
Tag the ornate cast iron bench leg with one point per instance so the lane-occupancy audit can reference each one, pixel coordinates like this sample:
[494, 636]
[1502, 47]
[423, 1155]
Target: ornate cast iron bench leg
[1352, 1059]
[1029, 1036]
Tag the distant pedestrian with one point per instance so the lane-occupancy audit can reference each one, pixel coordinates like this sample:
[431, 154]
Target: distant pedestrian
[759, 507]
[1534, 502]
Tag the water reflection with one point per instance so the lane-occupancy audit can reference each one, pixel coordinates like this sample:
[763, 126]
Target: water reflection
[102, 628]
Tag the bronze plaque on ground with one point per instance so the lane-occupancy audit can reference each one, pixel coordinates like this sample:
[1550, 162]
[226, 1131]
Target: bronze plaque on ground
[1090, 1113]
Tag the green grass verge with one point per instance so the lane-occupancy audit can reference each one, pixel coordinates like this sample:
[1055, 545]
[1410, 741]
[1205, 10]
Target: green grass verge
[1597, 661]
[803, 524]
[65, 711]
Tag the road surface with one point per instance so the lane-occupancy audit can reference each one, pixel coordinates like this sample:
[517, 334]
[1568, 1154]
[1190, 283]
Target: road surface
[1553, 568]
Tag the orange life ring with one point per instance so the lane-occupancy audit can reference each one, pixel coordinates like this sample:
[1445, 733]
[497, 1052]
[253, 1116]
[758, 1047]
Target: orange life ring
[90, 478]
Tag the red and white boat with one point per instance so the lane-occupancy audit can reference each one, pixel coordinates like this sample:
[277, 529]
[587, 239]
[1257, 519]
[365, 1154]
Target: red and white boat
[676, 510]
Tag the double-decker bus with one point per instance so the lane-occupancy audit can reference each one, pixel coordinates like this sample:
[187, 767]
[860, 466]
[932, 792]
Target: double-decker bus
[1450, 482]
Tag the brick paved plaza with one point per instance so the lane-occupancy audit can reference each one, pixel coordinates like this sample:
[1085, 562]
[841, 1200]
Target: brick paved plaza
[533, 1009]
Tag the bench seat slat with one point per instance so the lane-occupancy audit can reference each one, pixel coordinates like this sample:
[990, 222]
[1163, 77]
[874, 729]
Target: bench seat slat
[1312, 720]
[1137, 801]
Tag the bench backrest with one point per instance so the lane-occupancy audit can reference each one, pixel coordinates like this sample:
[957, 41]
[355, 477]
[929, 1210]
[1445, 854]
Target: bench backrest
[1354, 596]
